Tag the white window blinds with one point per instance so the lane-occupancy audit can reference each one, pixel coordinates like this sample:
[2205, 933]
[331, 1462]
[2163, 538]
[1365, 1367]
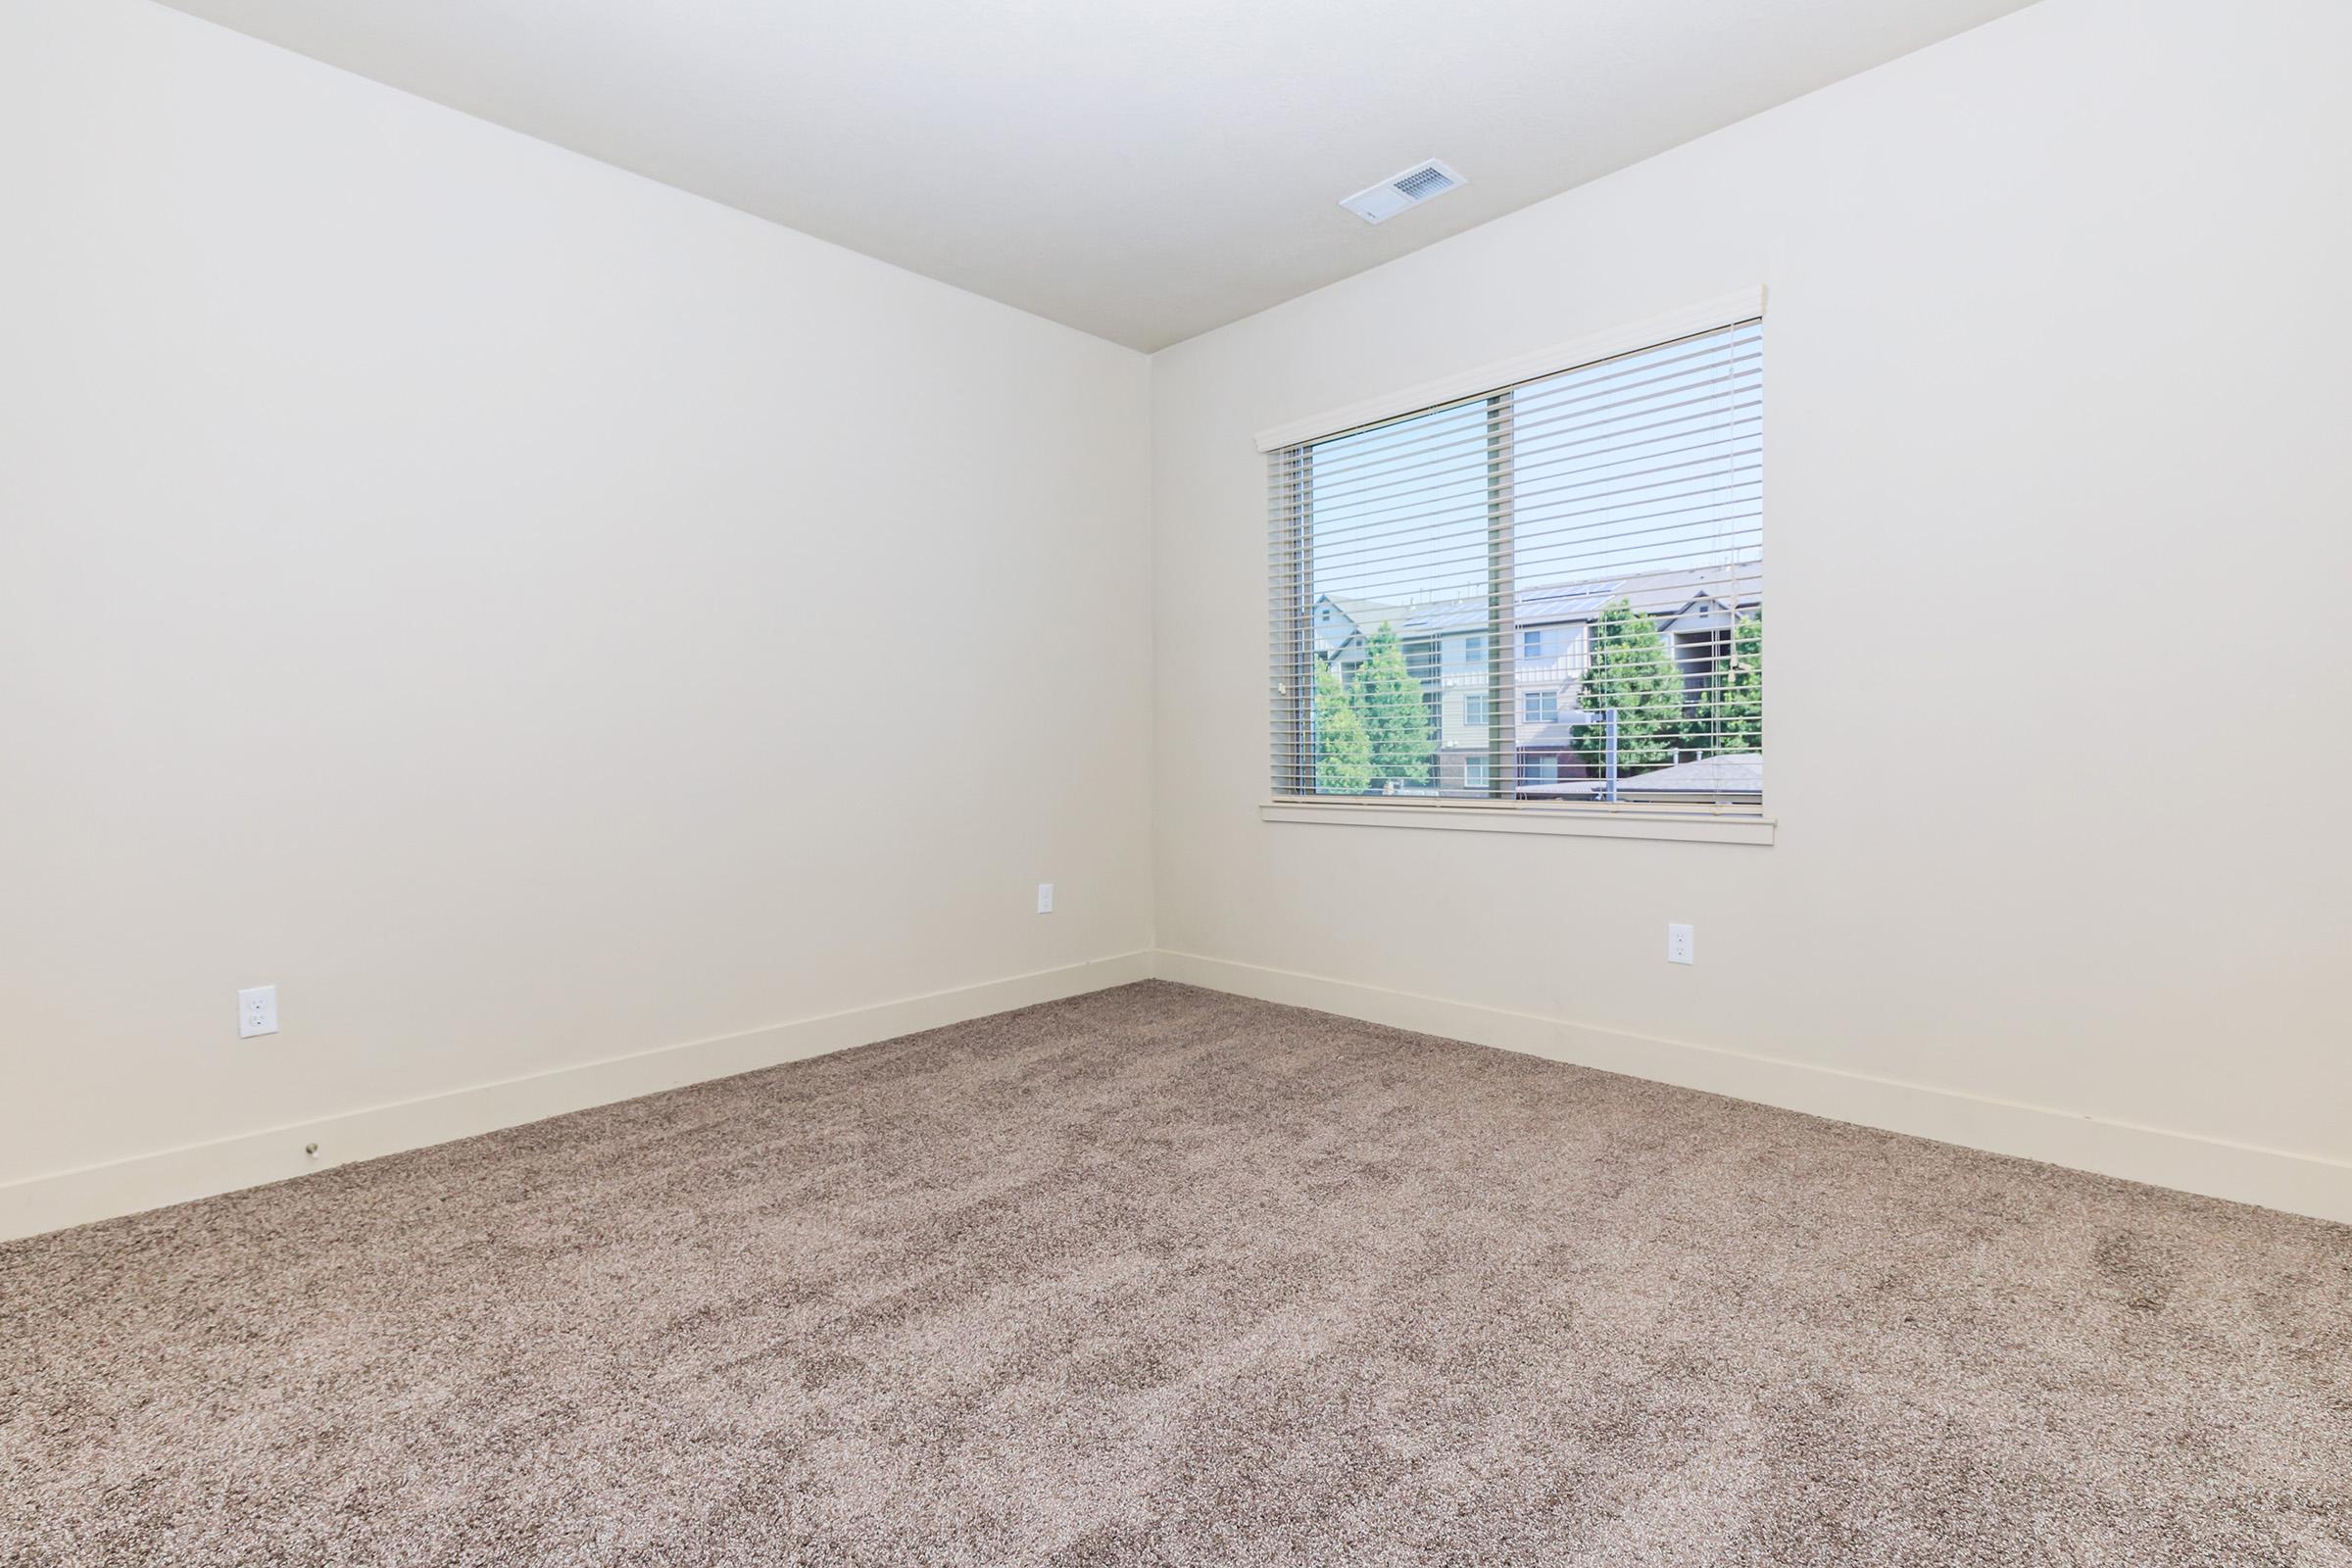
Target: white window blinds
[1551, 593]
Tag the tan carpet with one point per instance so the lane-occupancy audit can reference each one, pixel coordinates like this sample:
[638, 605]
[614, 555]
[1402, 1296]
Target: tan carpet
[1163, 1276]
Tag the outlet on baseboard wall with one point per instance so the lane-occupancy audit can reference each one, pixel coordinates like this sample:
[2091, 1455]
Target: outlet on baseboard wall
[1044, 898]
[1682, 946]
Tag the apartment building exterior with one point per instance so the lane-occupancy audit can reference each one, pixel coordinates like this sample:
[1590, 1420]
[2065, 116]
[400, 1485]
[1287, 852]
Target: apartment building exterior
[1537, 669]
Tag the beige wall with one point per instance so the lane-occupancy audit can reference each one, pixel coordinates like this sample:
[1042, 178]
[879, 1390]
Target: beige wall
[527, 613]
[431, 574]
[2059, 509]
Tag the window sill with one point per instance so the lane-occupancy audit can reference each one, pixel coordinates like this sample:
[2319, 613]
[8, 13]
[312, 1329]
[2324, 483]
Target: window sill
[1691, 826]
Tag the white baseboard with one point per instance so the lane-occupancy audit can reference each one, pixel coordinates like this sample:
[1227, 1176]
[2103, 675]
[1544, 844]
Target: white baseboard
[55, 1200]
[2302, 1184]
[2299, 1184]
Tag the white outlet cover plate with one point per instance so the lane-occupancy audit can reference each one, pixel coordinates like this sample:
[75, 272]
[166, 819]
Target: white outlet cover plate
[1682, 947]
[257, 1011]
[1044, 898]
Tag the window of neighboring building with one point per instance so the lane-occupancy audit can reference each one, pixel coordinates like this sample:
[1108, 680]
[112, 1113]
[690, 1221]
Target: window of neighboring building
[1619, 503]
[1540, 767]
[1703, 658]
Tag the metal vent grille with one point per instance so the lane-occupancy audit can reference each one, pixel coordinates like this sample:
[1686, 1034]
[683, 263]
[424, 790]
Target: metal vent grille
[1423, 182]
[1376, 204]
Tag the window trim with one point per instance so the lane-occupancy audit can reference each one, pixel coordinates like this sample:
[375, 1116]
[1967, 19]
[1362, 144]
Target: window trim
[1692, 825]
[1717, 822]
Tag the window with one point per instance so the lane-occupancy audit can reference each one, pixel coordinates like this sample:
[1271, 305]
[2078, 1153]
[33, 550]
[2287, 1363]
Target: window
[1703, 658]
[1619, 504]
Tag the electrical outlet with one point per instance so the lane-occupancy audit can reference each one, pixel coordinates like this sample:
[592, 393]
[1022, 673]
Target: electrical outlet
[1044, 898]
[1680, 945]
[257, 1011]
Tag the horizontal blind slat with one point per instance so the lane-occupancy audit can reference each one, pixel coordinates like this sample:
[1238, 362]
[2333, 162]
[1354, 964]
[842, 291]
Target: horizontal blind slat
[1338, 447]
[1374, 513]
[1540, 429]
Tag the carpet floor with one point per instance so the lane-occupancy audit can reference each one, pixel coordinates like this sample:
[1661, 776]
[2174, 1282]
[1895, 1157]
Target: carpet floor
[1160, 1276]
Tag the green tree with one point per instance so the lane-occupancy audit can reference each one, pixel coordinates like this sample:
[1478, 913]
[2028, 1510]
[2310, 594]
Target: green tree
[1742, 725]
[1395, 717]
[1632, 671]
[1343, 752]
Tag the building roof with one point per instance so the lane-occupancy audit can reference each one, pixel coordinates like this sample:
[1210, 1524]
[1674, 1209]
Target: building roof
[1739, 774]
[1654, 593]
[1366, 612]
[1362, 616]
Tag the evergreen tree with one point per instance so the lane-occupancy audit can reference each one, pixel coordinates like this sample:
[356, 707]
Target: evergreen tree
[1395, 717]
[1343, 752]
[1632, 671]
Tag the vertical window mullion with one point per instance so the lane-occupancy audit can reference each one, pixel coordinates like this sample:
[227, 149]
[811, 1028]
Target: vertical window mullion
[1502, 699]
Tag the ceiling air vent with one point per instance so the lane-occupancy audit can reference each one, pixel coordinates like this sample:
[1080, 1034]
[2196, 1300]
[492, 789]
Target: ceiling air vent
[1377, 203]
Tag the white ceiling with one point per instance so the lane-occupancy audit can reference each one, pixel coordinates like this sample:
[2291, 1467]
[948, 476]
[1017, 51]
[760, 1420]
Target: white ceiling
[1143, 170]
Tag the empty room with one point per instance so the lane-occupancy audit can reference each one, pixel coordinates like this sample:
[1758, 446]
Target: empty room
[872, 786]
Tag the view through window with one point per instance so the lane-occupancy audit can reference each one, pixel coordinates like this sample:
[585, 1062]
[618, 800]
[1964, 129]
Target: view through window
[1551, 593]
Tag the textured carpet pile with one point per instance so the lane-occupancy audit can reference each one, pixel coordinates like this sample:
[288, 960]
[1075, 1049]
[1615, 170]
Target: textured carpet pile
[1160, 1276]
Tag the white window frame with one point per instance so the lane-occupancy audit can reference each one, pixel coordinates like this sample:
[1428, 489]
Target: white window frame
[1528, 700]
[1694, 822]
